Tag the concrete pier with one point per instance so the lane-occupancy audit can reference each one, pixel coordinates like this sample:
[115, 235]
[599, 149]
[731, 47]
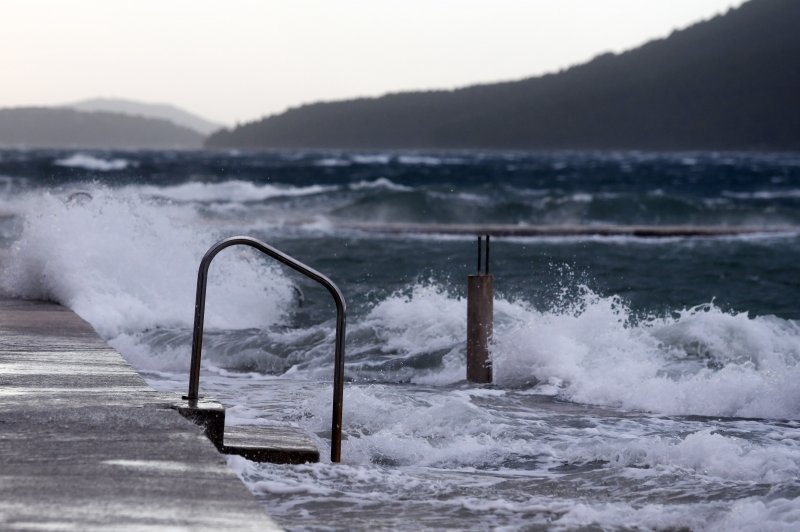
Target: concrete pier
[561, 230]
[86, 444]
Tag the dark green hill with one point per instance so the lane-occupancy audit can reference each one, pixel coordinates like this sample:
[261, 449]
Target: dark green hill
[39, 127]
[729, 83]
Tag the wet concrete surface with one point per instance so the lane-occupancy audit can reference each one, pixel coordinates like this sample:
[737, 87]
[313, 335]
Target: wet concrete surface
[86, 444]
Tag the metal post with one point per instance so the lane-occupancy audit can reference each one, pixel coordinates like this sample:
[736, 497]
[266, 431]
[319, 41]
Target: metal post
[480, 303]
[479, 254]
[486, 270]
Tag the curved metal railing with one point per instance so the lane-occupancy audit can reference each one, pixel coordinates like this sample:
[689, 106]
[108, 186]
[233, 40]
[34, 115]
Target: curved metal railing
[341, 310]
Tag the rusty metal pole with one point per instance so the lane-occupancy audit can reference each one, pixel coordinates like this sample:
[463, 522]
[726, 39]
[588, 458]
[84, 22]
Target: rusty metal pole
[480, 305]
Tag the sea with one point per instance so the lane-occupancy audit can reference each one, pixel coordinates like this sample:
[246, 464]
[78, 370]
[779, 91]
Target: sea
[639, 383]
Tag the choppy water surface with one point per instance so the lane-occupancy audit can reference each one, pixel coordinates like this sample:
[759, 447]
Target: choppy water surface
[638, 383]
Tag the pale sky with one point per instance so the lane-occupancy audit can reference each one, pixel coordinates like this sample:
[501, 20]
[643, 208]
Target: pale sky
[238, 60]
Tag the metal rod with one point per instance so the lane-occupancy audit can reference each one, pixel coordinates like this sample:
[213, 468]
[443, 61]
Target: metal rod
[487, 255]
[479, 254]
[341, 312]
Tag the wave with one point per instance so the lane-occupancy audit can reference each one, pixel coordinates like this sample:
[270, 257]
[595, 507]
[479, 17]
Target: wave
[763, 194]
[384, 159]
[371, 158]
[488, 454]
[229, 191]
[430, 160]
[595, 350]
[469, 427]
[332, 162]
[702, 360]
[395, 201]
[380, 183]
[89, 162]
[127, 265]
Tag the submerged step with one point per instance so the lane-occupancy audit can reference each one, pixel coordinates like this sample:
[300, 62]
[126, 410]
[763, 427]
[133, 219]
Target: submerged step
[259, 443]
[279, 445]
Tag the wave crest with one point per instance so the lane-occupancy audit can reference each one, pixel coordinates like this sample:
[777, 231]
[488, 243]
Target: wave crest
[127, 265]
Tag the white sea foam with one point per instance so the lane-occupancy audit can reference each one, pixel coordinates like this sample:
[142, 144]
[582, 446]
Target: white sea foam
[751, 514]
[419, 160]
[595, 353]
[228, 191]
[755, 514]
[581, 197]
[371, 158]
[424, 429]
[127, 265]
[333, 162]
[429, 160]
[594, 350]
[735, 457]
[763, 194]
[106, 260]
[423, 320]
[431, 450]
[380, 183]
[89, 162]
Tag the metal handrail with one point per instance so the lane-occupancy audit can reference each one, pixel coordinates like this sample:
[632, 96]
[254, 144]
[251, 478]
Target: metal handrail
[341, 310]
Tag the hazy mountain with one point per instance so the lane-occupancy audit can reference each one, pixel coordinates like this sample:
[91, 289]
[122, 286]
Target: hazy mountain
[150, 110]
[730, 83]
[40, 127]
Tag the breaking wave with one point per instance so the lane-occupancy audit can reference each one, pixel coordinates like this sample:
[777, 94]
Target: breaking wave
[90, 162]
[106, 260]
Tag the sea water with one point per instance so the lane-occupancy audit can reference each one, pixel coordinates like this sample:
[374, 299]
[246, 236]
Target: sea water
[639, 383]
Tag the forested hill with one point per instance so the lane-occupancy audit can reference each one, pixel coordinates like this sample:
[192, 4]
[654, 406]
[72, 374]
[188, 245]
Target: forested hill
[41, 127]
[729, 83]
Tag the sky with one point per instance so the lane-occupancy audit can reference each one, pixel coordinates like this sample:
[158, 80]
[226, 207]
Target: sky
[238, 60]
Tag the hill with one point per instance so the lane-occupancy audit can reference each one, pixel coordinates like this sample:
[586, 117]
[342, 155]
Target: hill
[40, 127]
[163, 111]
[729, 83]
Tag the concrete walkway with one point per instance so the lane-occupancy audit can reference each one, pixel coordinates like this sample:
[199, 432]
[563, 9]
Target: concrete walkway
[86, 444]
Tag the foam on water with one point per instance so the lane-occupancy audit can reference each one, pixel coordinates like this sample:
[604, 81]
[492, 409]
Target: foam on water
[429, 160]
[380, 183]
[699, 361]
[454, 457]
[90, 162]
[332, 162]
[595, 350]
[763, 194]
[128, 265]
[106, 260]
[228, 191]
[372, 158]
[409, 326]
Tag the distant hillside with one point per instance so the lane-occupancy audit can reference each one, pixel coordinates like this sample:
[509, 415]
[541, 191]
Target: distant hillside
[730, 83]
[151, 110]
[38, 127]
